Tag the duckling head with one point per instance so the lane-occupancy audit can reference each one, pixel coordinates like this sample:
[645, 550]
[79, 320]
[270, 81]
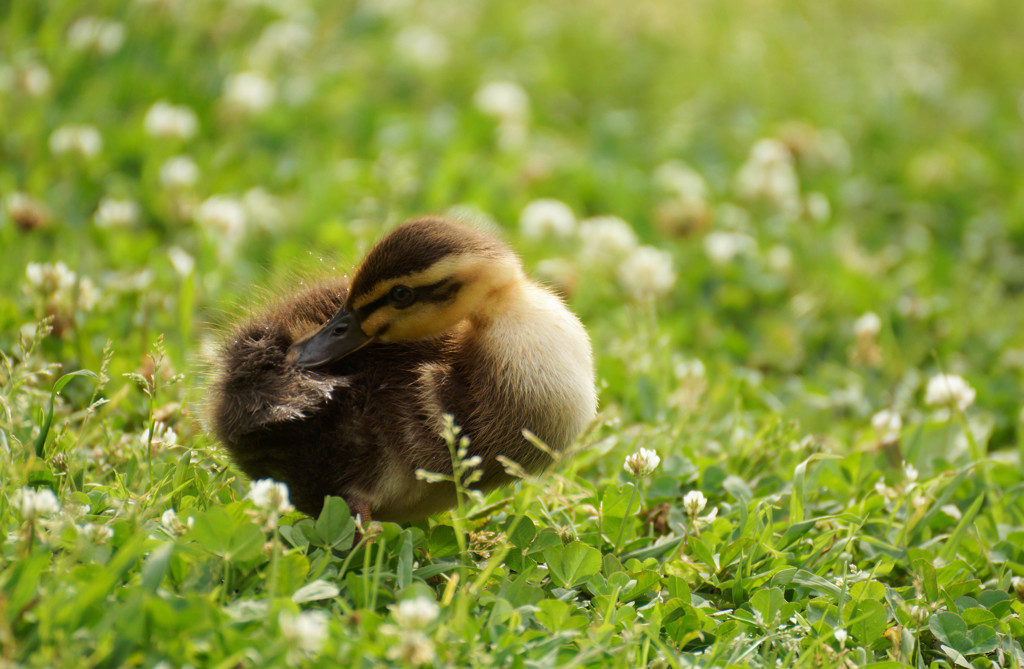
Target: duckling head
[419, 281]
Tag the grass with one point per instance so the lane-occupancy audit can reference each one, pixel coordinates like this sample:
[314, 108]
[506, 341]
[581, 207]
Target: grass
[890, 185]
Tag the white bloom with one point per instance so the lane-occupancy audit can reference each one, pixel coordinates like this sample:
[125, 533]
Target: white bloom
[163, 436]
[270, 495]
[723, 247]
[249, 92]
[606, 240]
[818, 207]
[34, 503]
[867, 326]
[181, 260]
[694, 502]
[96, 534]
[503, 100]
[307, 630]
[279, 40]
[85, 140]
[769, 175]
[50, 279]
[422, 46]
[172, 523]
[225, 215]
[909, 472]
[888, 424]
[841, 636]
[1017, 583]
[947, 390]
[690, 369]
[415, 613]
[178, 173]
[547, 217]
[414, 648]
[647, 273]
[91, 33]
[681, 180]
[262, 208]
[780, 258]
[114, 213]
[173, 121]
[30, 78]
[642, 463]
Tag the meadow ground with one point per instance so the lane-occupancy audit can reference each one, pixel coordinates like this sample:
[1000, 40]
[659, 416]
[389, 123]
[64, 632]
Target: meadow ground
[795, 232]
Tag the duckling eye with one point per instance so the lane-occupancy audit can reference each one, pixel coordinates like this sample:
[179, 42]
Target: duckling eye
[401, 296]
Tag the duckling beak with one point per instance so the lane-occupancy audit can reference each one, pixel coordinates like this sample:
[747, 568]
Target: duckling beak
[339, 337]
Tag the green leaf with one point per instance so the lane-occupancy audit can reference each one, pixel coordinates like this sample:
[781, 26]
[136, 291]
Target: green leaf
[948, 552]
[234, 541]
[315, 591]
[866, 620]
[572, 563]
[950, 629]
[335, 527]
[156, 566]
[48, 421]
[768, 602]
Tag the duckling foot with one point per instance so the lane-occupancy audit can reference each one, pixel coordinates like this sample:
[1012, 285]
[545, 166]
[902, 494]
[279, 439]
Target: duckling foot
[360, 509]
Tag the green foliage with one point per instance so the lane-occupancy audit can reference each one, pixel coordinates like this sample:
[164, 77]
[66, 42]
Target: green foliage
[797, 287]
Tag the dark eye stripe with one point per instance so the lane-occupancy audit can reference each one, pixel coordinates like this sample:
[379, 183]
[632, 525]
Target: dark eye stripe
[434, 292]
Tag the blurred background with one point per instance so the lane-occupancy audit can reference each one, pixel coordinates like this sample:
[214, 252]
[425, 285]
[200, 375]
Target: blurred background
[803, 209]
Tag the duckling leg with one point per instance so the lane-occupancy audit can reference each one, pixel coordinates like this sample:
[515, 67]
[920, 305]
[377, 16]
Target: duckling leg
[360, 509]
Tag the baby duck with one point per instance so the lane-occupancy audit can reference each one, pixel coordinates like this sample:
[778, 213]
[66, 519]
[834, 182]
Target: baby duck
[342, 388]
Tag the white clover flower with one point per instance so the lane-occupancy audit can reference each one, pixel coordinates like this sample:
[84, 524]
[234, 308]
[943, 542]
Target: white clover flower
[171, 121]
[279, 40]
[841, 636]
[96, 534]
[887, 424]
[723, 247]
[690, 369]
[84, 140]
[172, 523]
[114, 213]
[642, 463]
[1017, 583]
[694, 502]
[163, 436]
[249, 92]
[181, 260]
[647, 273]
[270, 495]
[224, 215]
[818, 207]
[34, 503]
[909, 472]
[422, 46]
[262, 208]
[91, 33]
[307, 630]
[415, 613]
[680, 180]
[769, 175]
[413, 648]
[868, 326]
[780, 258]
[178, 173]
[606, 240]
[547, 218]
[503, 100]
[50, 279]
[949, 389]
[31, 78]
[88, 294]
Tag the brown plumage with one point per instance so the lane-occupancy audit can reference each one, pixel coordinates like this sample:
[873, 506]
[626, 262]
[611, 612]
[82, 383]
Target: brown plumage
[340, 389]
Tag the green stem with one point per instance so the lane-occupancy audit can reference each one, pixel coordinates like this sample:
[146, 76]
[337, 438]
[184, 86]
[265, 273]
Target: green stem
[629, 510]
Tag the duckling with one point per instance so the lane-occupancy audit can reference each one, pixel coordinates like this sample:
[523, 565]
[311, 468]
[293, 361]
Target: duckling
[342, 388]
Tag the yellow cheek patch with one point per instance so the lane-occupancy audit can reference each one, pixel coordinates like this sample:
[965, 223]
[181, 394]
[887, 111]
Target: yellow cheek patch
[378, 320]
